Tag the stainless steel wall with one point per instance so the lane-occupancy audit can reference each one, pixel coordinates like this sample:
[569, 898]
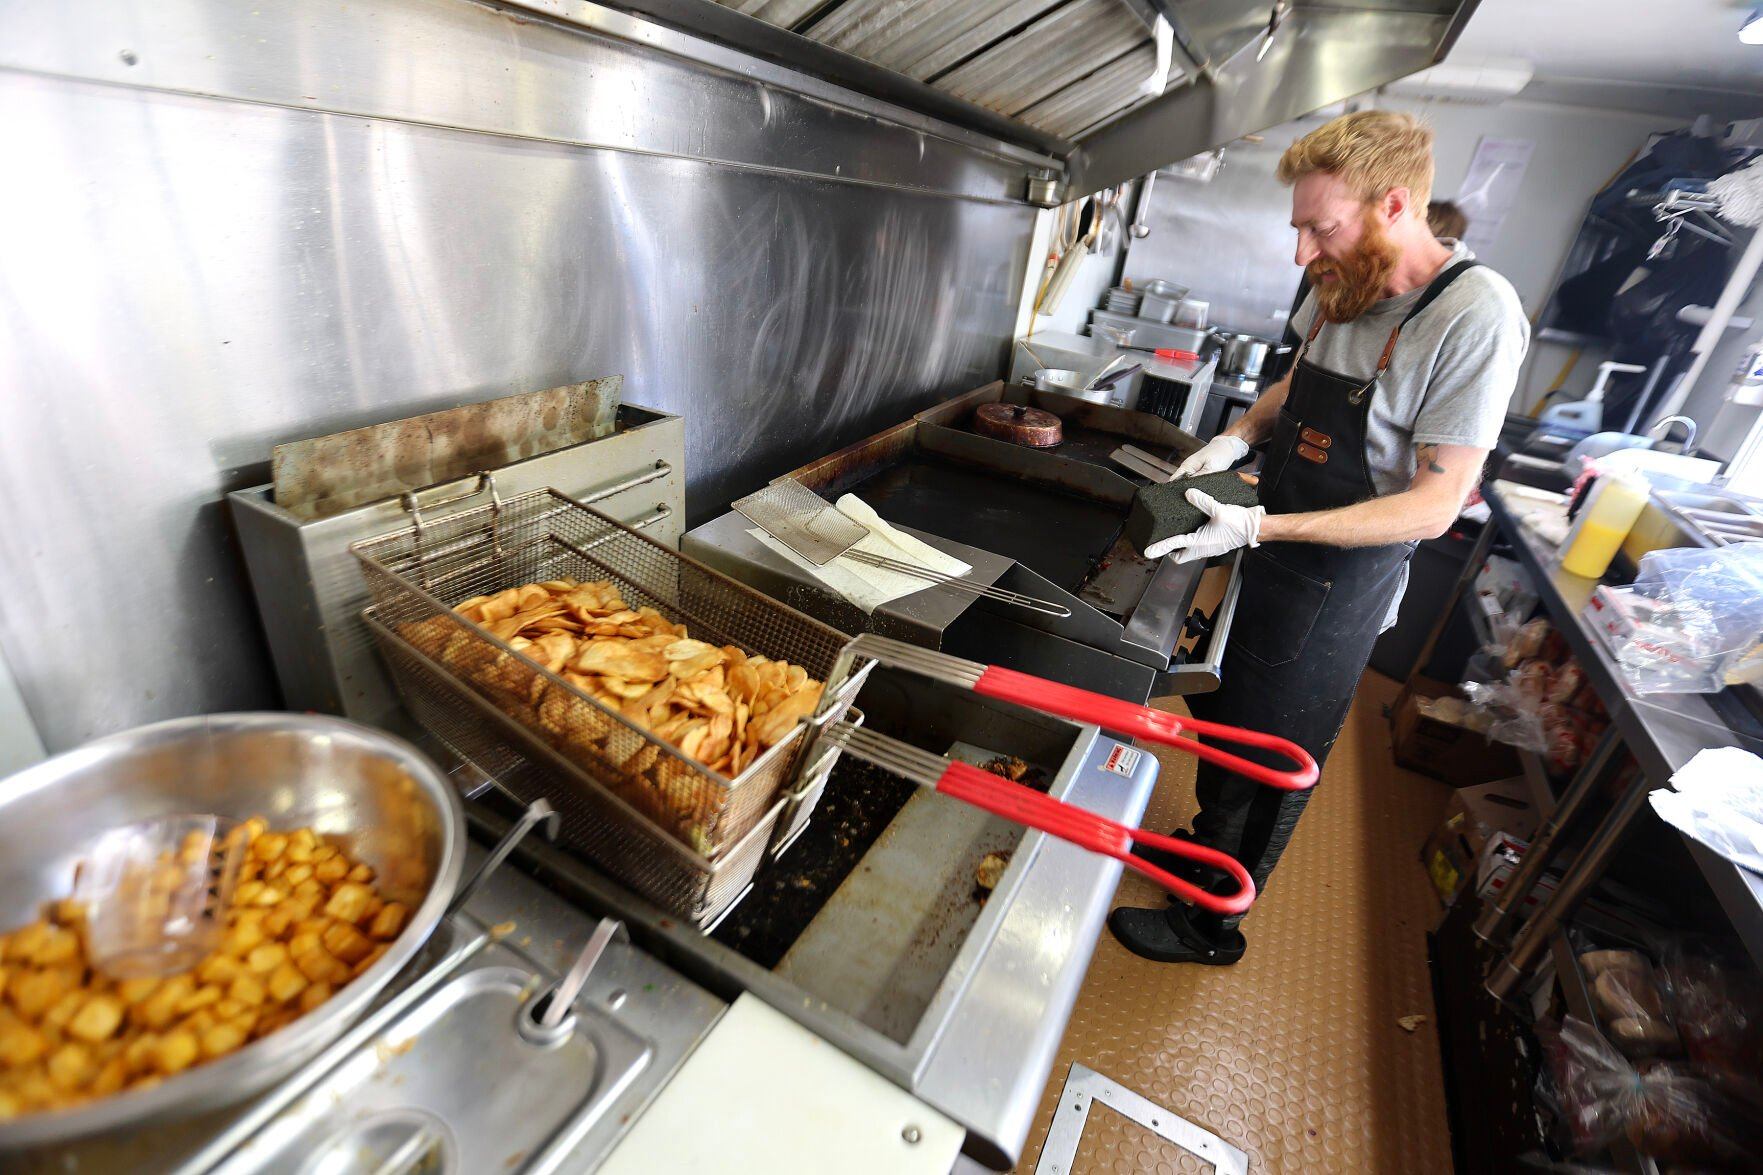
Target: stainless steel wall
[1231, 240]
[227, 226]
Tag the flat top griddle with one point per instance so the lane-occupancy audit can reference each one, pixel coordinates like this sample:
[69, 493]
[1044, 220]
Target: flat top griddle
[1061, 536]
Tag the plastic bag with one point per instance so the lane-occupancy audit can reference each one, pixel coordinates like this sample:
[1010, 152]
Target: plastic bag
[1691, 616]
[1718, 800]
[1716, 999]
[1667, 1109]
[1629, 1001]
[1511, 714]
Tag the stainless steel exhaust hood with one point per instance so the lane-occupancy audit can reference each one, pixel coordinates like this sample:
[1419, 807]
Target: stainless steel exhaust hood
[1079, 79]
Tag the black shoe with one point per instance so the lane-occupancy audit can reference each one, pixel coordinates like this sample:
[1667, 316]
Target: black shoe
[1167, 936]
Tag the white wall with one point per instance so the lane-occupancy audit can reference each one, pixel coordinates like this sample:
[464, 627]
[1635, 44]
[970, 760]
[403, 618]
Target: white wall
[1095, 274]
[1578, 150]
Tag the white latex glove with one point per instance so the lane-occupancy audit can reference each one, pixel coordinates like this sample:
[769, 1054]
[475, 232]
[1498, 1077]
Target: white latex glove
[1216, 455]
[1228, 528]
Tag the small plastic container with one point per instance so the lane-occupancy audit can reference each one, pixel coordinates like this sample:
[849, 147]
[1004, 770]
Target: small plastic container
[155, 894]
[1610, 513]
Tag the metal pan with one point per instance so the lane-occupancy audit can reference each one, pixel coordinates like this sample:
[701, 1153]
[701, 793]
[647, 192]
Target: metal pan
[375, 795]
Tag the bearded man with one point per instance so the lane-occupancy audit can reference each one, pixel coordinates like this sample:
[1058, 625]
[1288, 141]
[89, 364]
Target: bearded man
[1373, 441]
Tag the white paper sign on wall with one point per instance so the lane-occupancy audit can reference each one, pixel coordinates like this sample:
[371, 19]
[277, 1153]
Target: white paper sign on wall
[1490, 188]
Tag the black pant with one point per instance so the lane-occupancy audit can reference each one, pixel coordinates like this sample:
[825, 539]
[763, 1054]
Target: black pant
[1298, 647]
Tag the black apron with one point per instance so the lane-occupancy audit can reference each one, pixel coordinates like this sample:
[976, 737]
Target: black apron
[1308, 614]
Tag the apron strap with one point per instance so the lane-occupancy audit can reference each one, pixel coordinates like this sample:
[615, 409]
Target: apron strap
[1437, 286]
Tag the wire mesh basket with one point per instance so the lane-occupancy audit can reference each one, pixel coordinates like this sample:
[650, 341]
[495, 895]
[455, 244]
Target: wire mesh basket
[596, 822]
[418, 574]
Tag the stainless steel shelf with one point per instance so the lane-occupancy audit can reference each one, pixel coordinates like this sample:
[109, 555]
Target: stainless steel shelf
[1662, 731]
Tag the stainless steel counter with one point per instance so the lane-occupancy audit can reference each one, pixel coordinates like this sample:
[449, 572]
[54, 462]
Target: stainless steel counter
[1662, 731]
[982, 1051]
[668, 1012]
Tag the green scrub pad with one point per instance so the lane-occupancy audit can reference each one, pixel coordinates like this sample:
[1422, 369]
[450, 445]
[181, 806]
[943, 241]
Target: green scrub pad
[1163, 511]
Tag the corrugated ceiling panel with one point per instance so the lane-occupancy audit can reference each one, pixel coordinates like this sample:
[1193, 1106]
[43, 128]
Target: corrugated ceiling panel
[1050, 55]
[1095, 99]
[782, 13]
[921, 38]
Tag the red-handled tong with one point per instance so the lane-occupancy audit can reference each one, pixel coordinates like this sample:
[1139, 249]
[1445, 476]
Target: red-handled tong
[1080, 705]
[1033, 809]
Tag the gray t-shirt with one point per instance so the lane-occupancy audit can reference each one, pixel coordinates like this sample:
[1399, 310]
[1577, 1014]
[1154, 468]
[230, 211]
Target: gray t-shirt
[1450, 377]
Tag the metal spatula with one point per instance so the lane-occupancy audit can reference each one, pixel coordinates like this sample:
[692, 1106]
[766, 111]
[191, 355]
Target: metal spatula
[802, 520]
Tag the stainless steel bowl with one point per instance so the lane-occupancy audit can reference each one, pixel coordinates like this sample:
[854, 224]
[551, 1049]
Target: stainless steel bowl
[375, 795]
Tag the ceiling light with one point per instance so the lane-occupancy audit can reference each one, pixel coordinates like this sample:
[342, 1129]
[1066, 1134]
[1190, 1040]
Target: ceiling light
[1752, 31]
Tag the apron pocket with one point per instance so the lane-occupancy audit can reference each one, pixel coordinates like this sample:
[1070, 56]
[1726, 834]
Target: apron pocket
[1280, 606]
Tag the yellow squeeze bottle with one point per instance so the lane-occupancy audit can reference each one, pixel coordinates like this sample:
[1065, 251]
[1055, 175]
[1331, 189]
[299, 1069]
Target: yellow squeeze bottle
[1616, 503]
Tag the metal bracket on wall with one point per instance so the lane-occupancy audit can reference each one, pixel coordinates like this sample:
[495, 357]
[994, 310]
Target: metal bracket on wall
[1084, 1087]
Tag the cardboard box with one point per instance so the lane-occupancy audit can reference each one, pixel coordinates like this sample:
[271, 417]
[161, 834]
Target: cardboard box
[1452, 853]
[1455, 754]
[1500, 858]
[1501, 806]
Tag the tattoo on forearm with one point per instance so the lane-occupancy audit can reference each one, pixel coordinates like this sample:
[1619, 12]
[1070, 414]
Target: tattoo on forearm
[1428, 455]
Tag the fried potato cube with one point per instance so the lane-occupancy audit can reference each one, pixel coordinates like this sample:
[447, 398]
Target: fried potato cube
[389, 922]
[266, 958]
[198, 1022]
[61, 1012]
[269, 846]
[197, 1000]
[177, 1051]
[296, 873]
[98, 1019]
[20, 1043]
[279, 923]
[286, 983]
[216, 969]
[57, 945]
[330, 870]
[348, 901]
[133, 991]
[158, 1010]
[71, 1066]
[243, 937]
[227, 1008]
[310, 892]
[372, 957]
[314, 996]
[321, 967]
[249, 990]
[111, 1077]
[35, 992]
[302, 844]
[222, 1039]
[346, 943]
[142, 1052]
[22, 944]
[362, 874]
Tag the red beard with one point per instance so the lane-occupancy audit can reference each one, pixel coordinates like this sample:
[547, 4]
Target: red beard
[1360, 278]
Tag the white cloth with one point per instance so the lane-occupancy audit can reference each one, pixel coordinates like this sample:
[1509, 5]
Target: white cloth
[863, 585]
[1215, 456]
[1719, 801]
[1229, 527]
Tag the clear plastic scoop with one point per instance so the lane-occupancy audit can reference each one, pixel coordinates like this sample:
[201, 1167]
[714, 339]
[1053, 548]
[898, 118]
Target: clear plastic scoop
[155, 894]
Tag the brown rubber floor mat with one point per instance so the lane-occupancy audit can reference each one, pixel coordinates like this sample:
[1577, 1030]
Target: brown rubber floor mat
[1294, 1054]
